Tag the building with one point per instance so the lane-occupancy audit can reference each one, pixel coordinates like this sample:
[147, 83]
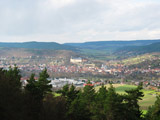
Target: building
[76, 60]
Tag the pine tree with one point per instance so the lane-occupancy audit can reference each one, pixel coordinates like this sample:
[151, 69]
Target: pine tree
[98, 106]
[37, 90]
[10, 94]
[113, 105]
[131, 101]
[43, 83]
[78, 109]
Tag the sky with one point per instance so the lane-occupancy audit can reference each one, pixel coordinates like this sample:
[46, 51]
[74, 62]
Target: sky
[65, 21]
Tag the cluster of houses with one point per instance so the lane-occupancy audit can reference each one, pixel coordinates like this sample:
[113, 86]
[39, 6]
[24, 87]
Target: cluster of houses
[60, 82]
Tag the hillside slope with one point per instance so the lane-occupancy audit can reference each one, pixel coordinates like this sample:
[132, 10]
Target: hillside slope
[24, 52]
[135, 50]
[38, 45]
[111, 45]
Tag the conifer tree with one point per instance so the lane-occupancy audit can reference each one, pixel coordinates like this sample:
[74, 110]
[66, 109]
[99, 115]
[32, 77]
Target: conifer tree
[43, 83]
[98, 106]
[10, 94]
[131, 101]
[113, 105]
[36, 91]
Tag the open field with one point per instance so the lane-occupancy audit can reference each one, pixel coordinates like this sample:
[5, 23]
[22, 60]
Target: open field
[148, 99]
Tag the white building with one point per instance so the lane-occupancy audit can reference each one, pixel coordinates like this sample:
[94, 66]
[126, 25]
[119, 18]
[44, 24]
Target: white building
[76, 60]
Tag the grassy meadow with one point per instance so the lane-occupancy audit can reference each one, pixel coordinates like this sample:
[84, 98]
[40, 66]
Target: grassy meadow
[148, 99]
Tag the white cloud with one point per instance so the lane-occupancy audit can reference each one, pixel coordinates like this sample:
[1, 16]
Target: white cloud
[56, 4]
[79, 20]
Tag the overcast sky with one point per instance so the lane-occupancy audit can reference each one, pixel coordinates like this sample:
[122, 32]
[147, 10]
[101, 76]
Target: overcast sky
[78, 20]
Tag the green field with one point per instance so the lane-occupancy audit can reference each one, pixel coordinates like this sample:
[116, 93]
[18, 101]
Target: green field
[148, 99]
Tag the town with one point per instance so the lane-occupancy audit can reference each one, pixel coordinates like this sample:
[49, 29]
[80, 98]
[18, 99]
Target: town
[79, 70]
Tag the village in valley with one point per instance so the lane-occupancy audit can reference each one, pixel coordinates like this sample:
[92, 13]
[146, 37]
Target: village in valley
[78, 71]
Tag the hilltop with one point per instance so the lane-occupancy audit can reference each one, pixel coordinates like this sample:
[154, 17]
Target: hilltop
[102, 50]
[111, 50]
[111, 45]
[38, 45]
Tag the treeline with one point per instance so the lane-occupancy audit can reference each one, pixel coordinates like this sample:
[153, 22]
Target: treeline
[37, 102]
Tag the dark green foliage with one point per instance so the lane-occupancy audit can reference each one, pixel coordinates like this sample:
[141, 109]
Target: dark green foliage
[114, 105]
[41, 87]
[64, 90]
[78, 110]
[36, 91]
[81, 107]
[36, 102]
[131, 102]
[70, 94]
[43, 83]
[10, 95]
[88, 93]
[99, 104]
[154, 111]
[53, 108]
[14, 75]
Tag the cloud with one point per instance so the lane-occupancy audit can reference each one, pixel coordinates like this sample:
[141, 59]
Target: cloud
[79, 20]
[56, 4]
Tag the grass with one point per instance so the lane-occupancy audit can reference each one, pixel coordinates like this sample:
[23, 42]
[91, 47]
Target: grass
[121, 89]
[137, 59]
[148, 99]
[114, 85]
[56, 94]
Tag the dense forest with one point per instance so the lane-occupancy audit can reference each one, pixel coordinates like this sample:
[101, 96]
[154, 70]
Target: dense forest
[36, 101]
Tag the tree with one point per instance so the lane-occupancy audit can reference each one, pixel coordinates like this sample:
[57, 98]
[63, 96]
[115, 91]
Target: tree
[78, 109]
[41, 87]
[113, 105]
[43, 83]
[98, 107]
[14, 75]
[153, 112]
[64, 91]
[54, 108]
[88, 93]
[36, 91]
[11, 97]
[70, 94]
[81, 107]
[133, 111]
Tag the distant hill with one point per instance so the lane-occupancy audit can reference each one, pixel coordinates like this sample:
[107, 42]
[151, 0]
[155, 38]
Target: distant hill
[103, 50]
[25, 52]
[99, 45]
[154, 47]
[111, 45]
[38, 45]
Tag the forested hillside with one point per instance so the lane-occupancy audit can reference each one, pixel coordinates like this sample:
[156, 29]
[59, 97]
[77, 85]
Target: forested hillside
[111, 45]
[154, 47]
[24, 52]
[38, 45]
